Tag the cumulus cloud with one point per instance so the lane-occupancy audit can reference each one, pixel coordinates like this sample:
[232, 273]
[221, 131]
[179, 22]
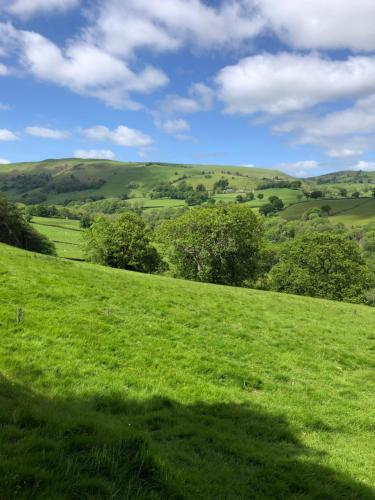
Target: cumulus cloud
[200, 98]
[122, 136]
[123, 26]
[4, 71]
[299, 168]
[4, 162]
[285, 82]
[83, 68]
[47, 133]
[95, 154]
[344, 133]
[366, 166]
[27, 8]
[321, 24]
[7, 135]
[175, 126]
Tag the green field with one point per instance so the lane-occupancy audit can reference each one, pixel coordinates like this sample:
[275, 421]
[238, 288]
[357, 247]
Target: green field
[66, 235]
[121, 385]
[118, 176]
[351, 212]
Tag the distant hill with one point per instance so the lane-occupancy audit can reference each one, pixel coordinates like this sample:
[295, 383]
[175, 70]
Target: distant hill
[120, 385]
[54, 181]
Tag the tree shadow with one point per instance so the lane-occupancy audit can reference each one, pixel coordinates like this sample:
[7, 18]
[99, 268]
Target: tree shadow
[158, 449]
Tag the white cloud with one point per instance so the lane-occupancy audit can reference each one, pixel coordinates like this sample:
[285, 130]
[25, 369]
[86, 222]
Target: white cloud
[122, 135]
[4, 162]
[285, 82]
[4, 71]
[27, 8]
[366, 166]
[47, 133]
[322, 24]
[123, 26]
[200, 98]
[7, 135]
[174, 126]
[4, 107]
[83, 68]
[344, 133]
[299, 168]
[99, 154]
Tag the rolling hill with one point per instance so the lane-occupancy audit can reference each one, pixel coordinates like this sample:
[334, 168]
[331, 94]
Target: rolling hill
[121, 385]
[54, 181]
[349, 211]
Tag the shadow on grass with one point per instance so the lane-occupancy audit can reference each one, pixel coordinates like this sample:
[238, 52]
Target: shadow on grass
[159, 449]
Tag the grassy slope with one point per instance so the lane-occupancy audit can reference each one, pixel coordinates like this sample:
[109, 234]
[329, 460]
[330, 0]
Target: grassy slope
[66, 235]
[359, 211]
[238, 393]
[118, 175]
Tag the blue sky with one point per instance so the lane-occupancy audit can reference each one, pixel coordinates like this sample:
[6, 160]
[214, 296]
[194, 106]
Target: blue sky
[287, 84]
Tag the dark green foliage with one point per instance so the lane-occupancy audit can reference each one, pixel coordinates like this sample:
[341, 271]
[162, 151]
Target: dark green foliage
[16, 231]
[356, 194]
[124, 243]
[221, 185]
[272, 184]
[217, 245]
[275, 205]
[322, 265]
[326, 209]
[316, 195]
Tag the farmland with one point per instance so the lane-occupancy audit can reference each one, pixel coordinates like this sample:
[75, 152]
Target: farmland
[122, 385]
[65, 234]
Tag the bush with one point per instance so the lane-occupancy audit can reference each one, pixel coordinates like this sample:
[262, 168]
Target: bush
[217, 244]
[322, 265]
[16, 231]
[123, 243]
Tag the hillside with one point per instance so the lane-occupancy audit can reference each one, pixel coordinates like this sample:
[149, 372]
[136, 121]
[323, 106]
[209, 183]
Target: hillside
[54, 181]
[121, 385]
[349, 211]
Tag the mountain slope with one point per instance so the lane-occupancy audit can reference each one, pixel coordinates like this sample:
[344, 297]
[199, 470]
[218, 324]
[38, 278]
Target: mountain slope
[54, 181]
[236, 393]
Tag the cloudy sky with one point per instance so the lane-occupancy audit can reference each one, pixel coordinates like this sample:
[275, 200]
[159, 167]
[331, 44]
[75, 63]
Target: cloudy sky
[286, 83]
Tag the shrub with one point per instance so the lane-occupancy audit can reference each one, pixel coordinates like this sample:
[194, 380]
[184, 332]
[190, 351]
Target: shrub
[214, 244]
[123, 243]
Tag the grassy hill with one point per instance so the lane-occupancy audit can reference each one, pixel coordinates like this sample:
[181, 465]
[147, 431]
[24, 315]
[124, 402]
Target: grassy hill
[65, 234]
[120, 385]
[349, 211]
[53, 178]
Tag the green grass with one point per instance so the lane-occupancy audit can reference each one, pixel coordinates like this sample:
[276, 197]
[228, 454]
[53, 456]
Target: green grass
[66, 235]
[351, 212]
[121, 385]
[118, 176]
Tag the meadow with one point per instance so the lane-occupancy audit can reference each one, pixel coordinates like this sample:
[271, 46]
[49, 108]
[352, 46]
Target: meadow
[121, 385]
[65, 234]
[349, 211]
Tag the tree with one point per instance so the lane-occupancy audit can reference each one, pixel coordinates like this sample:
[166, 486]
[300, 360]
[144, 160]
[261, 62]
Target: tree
[356, 194]
[214, 244]
[275, 205]
[343, 192]
[221, 184]
[260, 196]
[326, 209]
[15, 230]
[316, 194]
[322, 265]
[373, 193]
[123, 243]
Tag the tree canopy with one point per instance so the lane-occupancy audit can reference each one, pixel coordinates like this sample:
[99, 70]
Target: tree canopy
[325, 265]
[16, 231]
[214, 244]
[122, 243]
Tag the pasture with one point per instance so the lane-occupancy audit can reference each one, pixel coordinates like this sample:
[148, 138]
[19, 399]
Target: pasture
[349, 211]
[65, 234]
[121, 385]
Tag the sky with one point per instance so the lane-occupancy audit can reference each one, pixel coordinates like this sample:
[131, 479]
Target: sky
[285, 84]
